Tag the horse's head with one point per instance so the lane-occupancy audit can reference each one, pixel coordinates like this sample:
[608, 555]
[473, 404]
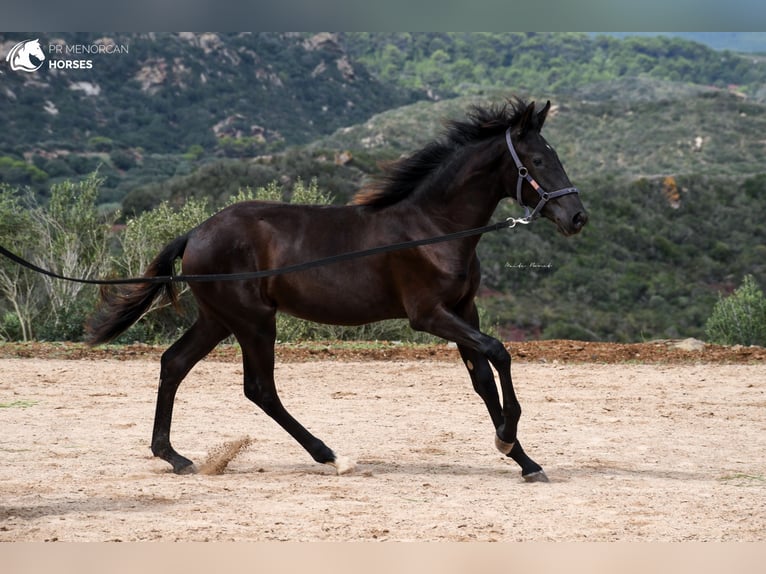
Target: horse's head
[541, 184]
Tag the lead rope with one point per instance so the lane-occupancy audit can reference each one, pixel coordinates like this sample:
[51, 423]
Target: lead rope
[509, 223]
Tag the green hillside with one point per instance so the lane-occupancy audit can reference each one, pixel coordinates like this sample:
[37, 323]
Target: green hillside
[754, 42]
[175, 102]
[632, 127]
[447, 64]
[663, 136]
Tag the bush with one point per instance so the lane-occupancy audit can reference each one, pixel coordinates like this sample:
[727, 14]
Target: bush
[123, 159]
[739, 318]
[11, 327]
[19, 172]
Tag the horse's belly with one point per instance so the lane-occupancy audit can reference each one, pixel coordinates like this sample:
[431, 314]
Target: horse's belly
[339, 315]
[345, 303]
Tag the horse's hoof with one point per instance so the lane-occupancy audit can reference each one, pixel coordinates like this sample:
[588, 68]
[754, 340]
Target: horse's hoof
[190, 468]
[537, 476]
[343, 465]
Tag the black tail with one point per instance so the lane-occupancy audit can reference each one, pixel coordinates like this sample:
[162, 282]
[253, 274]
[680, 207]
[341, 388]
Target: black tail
[121, 307]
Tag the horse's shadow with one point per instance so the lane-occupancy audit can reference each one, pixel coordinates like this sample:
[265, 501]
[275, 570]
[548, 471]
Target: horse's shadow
[556, 474]
[610, 470]
[67, 505]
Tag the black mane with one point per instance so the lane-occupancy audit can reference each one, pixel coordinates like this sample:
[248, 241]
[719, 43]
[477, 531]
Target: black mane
[402, 177]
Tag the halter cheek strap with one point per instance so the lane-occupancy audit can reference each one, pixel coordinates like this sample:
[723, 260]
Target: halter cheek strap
[545, 196]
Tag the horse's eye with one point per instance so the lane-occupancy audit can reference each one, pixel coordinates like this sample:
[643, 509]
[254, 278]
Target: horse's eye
[537, 162]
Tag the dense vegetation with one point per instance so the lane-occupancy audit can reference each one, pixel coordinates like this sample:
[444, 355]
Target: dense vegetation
[177, 101]
[448, 64]
[651, 263]
[663, 136]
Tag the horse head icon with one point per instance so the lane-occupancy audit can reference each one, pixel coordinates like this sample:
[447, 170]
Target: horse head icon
[21, 56]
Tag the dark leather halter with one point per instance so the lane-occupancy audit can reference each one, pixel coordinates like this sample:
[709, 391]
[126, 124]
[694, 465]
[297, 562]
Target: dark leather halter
[545, 196]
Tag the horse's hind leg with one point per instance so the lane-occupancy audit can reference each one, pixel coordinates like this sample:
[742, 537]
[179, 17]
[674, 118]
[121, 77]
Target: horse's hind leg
[258, 361]
[176, 363]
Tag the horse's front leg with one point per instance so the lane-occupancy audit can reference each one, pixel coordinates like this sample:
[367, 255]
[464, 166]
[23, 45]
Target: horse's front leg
[478, 351]
[484, 384]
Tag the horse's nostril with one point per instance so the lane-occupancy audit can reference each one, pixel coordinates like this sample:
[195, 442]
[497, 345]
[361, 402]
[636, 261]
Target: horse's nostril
[580, 219]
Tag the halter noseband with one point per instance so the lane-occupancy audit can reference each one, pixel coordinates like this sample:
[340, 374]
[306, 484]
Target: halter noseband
[545, 197]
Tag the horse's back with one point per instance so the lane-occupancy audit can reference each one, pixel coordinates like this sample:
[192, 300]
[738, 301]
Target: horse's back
[277, 234]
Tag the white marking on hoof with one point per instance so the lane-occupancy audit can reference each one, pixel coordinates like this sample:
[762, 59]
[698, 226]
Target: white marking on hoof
[343, 465]
[502, 446]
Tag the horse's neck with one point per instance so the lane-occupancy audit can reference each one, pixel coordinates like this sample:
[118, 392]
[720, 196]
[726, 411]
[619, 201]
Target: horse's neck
[466, 205]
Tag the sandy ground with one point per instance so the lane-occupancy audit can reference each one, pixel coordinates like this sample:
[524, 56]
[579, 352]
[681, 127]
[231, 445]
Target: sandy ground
[634, 452]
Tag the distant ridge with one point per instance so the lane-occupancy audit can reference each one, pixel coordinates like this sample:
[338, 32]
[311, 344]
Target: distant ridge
[754, 42]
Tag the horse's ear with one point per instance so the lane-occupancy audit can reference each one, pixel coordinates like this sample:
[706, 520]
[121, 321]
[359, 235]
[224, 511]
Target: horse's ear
[525, 124]
[542, 114]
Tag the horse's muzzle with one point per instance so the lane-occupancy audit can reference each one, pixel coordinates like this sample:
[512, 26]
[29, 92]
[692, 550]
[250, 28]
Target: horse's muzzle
[571, 225]
[579, 220]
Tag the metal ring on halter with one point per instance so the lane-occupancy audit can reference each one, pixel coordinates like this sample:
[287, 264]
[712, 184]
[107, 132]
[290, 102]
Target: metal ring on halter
[523, 171]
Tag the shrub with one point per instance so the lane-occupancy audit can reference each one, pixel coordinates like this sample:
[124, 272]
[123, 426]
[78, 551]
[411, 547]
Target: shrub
[739, 318]
[123, 159]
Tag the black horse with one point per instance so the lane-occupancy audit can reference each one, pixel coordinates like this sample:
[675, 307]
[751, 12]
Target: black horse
[450, 185]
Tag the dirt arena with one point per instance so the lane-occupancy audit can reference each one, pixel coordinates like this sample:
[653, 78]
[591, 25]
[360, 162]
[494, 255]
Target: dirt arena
[660, 451]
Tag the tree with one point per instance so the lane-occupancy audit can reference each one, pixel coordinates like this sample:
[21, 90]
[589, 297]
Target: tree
[71, 239]
[146, 234]
[17, 285]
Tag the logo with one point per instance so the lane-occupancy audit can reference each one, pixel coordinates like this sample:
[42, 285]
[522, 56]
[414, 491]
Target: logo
[30, 55]
[23, 55]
